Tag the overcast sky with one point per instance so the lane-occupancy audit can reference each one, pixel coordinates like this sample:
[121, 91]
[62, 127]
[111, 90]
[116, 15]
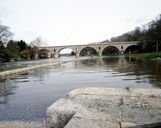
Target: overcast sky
[65, 22]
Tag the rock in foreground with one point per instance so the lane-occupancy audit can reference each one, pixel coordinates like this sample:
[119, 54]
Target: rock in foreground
[106, 108]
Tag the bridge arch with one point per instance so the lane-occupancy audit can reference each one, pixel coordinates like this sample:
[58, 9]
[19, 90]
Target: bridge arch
[110, 50]
[44, 53]
[88, 51]
[132, 49]
[66, 51]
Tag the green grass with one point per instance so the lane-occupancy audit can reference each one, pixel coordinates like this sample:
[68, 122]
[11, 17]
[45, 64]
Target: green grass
[149, 56]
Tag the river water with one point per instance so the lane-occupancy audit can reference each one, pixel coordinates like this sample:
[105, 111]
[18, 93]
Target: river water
[26, 96]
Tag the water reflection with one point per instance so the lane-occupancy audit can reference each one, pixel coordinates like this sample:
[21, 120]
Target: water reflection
[6, 89]
[143, 72]
[105, 63]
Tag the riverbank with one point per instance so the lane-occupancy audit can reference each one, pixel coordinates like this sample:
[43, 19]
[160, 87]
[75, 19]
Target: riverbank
[25, 69]
[147, 56]
[107, 108]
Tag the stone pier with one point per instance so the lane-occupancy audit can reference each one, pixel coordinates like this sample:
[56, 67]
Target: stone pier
[107, 108]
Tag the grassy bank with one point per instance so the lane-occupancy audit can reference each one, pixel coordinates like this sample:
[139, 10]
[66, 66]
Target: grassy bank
[149, 56]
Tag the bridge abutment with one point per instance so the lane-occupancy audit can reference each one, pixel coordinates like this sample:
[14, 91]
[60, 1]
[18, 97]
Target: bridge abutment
[99, 53]
[56, 55]
[77, 54]
[122, 52]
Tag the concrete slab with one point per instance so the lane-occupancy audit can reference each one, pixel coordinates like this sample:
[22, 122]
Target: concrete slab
[88, 123]
[106, 108]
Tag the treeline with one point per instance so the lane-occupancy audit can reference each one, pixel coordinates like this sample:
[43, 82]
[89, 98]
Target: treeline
[17, 50]
[149, 35]
[11, 50]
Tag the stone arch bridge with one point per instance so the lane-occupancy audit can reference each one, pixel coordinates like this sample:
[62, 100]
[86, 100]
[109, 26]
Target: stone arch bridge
[99, 48]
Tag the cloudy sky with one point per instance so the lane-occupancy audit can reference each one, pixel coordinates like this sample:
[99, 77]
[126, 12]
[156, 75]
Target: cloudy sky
[65, 22]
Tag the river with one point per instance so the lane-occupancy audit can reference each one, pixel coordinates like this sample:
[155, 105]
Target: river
[26, 96]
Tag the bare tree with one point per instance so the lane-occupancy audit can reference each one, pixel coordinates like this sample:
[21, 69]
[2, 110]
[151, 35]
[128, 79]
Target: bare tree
[38, 42]
[35, 44]
[5, 34]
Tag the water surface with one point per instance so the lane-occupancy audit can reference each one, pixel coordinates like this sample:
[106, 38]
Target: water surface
[26, 96]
